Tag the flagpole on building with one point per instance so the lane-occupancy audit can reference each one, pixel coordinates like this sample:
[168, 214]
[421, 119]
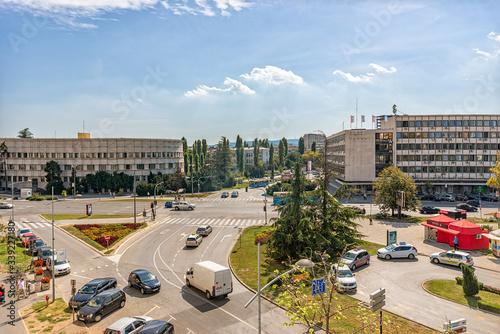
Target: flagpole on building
[356, 113]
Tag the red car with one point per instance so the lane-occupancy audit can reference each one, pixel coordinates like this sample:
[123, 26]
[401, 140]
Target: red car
[461, 198]
[27, 237]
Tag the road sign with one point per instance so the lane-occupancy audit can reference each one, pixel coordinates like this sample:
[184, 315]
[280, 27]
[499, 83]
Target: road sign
[318, 286]
[377, 300]
[265, 201]
[107, 238]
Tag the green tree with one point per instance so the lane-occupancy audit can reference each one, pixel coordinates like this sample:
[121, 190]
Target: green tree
[313, 146]
[177, 181]
[222, 158]
[316, 158]
[241, 163]
[204, 147]
[494, 180]
[470, 284]
[390, 181]
[271, 160]
[239, 155]
[199, 147]
[186, 161]
[184, 144]
[25, 133]
[53, 177]
[285, 144]
[256, 152]
[3, 154]
[428, 186]
[301, 145]
[245, 144]
[281, 153]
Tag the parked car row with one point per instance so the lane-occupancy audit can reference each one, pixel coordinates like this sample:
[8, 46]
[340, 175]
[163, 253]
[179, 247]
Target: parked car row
[462, 198]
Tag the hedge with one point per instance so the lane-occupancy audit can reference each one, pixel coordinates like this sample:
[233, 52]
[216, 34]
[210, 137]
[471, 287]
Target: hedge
[491, 289]
[487, 306]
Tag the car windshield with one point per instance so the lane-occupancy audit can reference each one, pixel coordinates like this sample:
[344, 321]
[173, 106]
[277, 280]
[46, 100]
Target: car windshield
[87, 289]
[469, 258]
[147, 277]
[96, 302]
[25, 230]
[47, 253]
[60, 262]
[349, 256]
[345, 273]
[390, 247]
[40, 243]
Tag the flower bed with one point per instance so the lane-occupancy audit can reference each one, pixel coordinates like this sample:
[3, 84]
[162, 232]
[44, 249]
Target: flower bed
[98, 232]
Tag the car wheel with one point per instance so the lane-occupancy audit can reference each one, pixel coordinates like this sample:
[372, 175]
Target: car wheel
[209, 296]
[460, 265]
[129, 284]
[353, 267]
[411, 256]
[435, 260]
[122, 304]
[387, 257]
[187, 282]
[177, 208]
[142, 290]
[98, 317]
[190, 208]
[368, 262]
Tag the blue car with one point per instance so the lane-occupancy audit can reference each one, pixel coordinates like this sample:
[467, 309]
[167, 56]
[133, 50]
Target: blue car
[168, 204]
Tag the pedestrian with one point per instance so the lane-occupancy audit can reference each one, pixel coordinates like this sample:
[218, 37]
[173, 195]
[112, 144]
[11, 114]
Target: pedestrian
[363, 211]
[2, 293]
[148, 194]
[364, 196]
[110, 196]
[21, 289]
[153, 214]
[455, 243]
[152, 205]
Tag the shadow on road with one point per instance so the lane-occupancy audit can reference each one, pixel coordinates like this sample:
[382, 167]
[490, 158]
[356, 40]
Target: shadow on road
[198, 300]
[397, 224]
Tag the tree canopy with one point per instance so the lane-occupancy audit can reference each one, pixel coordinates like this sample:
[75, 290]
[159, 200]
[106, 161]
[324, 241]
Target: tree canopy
[25, 133]
[53, 177]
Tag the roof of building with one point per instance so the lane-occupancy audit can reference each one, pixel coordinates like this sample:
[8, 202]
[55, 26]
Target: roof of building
[465, 227]
[441, 219]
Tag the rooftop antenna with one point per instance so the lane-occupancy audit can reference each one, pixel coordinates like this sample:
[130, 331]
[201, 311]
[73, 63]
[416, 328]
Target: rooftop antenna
[356, 113]
[83, 126]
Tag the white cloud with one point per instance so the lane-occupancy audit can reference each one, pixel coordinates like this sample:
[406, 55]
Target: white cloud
[273, 75]
[484, 55]
[237, 5]
[380, 69]
[494, 36]
[234, 86]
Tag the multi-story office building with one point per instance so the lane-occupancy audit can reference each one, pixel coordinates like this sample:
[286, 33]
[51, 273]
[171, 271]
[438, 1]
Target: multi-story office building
[26, 158]
[248, 156]
[309, 138]
[453, 152]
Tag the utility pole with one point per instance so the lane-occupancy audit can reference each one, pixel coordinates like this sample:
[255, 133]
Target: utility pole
[53, 252]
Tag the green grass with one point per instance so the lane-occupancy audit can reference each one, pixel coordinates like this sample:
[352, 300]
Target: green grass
[56, 312]
[244, 262]
[80, 217]
[371, 247]
[451, 290]
[238, 186]
[22, 260]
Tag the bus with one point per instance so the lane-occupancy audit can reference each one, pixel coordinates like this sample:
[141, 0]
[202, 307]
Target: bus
[255, 183]
[280, 197]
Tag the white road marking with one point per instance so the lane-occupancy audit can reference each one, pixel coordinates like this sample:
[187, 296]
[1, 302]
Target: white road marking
[227, 235]
[117, 251]
[183, 236]
[216, 236]
[145, 314]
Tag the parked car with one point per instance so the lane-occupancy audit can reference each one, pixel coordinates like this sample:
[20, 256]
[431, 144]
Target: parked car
[429, 209]
[204, 230]
[234, 194]
[35, 246]
[355, 258]
[90, 290]
[44, 253]
[474, 202]
[25, 239]
[128, 325]
[144, 281]
[158, 327]
[101, 305]
[462, 198]
[224, 194]
[466, 207]
[399, 250]
[447, 198]
[183, 206]
[6, 205]
[210, 278]
[427, 198]
[61, 267]
[358, 210]
[22, 231]
[193, 240]
[454, 258]
[344, 278]
[489, 198]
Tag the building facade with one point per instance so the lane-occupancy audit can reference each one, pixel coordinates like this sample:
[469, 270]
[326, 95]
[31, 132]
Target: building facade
[26, 158]
[453, 152]
[309, 138]
[248, 156]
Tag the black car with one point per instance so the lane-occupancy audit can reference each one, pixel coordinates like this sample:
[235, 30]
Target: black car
[101, 305]
[489, 198]
[225, 194]
[144, 281]
[36, 245]
[89, 290]
[429, 209]
[473, 202]
[44, 253]
[427, 198]
[466, 207]
[158, 327]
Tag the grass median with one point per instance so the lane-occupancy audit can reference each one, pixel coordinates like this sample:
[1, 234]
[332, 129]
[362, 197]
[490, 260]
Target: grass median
[81, 217]
[22, 260]
[244, 262]
[451, 290]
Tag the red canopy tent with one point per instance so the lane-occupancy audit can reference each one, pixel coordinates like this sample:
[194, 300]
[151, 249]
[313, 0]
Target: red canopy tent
[470, 235]
[441, 224]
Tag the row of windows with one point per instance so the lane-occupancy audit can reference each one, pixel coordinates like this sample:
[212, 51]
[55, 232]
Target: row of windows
[448, 146]
[94, 167]
[383, 136]
[445, 169]
[446, 157]
[446, 134]
[446, 123]
[93, 155]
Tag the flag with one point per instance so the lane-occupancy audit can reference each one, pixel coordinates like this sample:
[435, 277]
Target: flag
[362, 118]
[373, 119]
[352, 119]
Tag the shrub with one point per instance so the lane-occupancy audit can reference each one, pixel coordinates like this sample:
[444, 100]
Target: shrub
[38, 263]
[491, 289]
[39, 272]
[487, 227]
[305, 276]
[45, 279]
[488, 306]
[261, 238]
[459, 280]
[470, 284]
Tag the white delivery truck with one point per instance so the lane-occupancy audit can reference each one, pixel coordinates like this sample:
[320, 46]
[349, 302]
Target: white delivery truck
[212, 278]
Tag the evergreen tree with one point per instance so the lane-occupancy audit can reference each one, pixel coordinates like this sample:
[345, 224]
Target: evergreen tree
[25, 133]
[196, 163]
[470, 284]
[222, 158]
[186, 161]
[53, 177]
[184, 144]
[285, 144]
[241, 163]
[281, 153]
[301, 145]
[204, 147]
[245, 144]
[199, 148]
[313, 146]
[256, 152]
[271, 160]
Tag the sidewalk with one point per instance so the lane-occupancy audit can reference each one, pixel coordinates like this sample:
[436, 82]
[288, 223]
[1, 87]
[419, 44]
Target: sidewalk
[414, 234]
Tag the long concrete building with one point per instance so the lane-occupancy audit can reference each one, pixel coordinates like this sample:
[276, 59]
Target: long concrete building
[453, 152]
[26, 158]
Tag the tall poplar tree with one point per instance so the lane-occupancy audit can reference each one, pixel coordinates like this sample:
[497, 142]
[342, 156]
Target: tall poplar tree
[256, 152]
[281, 153]
[301, 145]
[271, 160]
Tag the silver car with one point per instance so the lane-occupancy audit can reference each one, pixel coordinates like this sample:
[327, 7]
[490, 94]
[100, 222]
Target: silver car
[453, 258]
[184, 206]
[204, 230]
[128, 325]
[6, 205]
[344, 278]
[355, 258]
[399, 250]
[194, 240]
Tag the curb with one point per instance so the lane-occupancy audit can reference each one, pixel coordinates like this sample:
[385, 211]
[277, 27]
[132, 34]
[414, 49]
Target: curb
[468, 306]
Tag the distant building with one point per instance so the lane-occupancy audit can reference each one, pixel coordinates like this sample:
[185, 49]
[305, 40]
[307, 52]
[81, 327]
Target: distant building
[26, 158]
[309, 138]
[248, 156]
[453, 152]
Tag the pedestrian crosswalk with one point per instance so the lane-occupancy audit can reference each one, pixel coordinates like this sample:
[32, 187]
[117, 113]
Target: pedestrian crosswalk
[237, 199]
[33, 225]
[213, 222]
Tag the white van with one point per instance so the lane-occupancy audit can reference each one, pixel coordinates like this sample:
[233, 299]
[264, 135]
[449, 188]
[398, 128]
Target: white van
[212, 278]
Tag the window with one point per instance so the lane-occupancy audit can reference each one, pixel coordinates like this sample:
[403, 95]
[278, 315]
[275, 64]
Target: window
[140, 166]
[127, 167]
[152, 166]
[439, 123]
[102, 167]
[452, 123]
[458, 123]
[478, 236]
[418, 123]
[90, 167]
[479, 123]
[445, 123]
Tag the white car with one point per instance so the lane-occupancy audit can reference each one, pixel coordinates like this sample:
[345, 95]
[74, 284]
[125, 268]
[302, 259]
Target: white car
[344, 278]
[60, 267]
[184, 206]
[204, 230]
[194, 240]
[400, 250]
[6, 205]
[128, 325]
[452, 257]
[22, 231]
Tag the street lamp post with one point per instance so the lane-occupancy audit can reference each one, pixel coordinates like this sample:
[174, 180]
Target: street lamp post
[154, 192]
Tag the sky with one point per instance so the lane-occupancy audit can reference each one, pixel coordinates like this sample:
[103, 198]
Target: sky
[266, 69]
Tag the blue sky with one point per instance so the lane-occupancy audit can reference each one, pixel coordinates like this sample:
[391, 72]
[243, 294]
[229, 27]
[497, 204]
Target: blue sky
[267, 69]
